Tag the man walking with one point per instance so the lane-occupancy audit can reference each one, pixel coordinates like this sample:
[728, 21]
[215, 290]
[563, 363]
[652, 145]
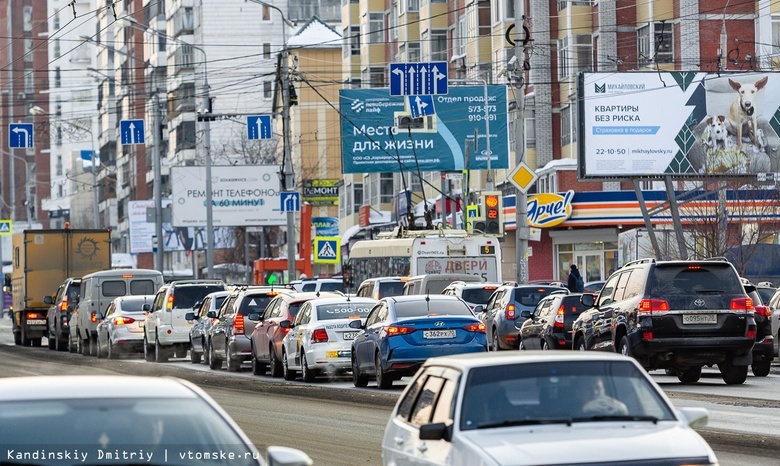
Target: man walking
[576, 284]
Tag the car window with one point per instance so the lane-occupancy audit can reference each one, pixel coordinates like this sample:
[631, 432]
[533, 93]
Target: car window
[528, 297]
[541, 307]
[142, 287]
[227, 306]
[204, 307]
[621, 285]
[272, 306]
[477, 295]
[113, 288]
[389, 289]
[73, 292]
[185, 297]
[608, 290]
[311, 286]
[110, 310]
[423, 407]
[410, 397]
[331, 286]
[159, 300]
[766, 294]
[422, 308]
[363, 291]
[373, 316]
[635, 285]
[445, 404]
[495, 297]
[694, 278]
[253, 303]
[384, 312]
[293, 308]
[342, 310]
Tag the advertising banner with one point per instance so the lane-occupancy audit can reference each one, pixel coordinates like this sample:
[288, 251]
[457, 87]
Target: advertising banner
[325, 226]
[245, 195]
[174, 239]
[373, 142]
[321, 192]
[678, 123]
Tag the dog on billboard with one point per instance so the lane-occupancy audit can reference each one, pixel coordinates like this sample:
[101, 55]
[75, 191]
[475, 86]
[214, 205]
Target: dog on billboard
[715, 136]
[744, 112]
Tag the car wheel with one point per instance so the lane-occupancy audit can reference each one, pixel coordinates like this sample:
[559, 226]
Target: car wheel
[25, 341]
[545, 345]
[194, 357]
[671, 372]
[733, 375]
[72, 346]
[214, 362]
[383, 381]
[306, 373]
[98, 352]
[287, 373]
[623, 347]
[233, 364]
[258, 368]
[521, 346]
[59, 343]
[84, 346]
[160, 353]
[579, 344]
[276, 364]
[761, 368]
[148, 350]
[112, 352]
[51, 343]
[494, 345]
[690, 375]
[358, 379]
[92, 343]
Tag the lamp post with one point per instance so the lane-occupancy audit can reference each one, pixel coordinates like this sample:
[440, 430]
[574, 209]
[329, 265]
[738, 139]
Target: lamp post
[36, 110]
[287, 180]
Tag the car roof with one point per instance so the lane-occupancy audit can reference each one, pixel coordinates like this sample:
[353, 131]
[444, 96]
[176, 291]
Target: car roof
[499, 358]
[309, 295]
[421, 297]
[143, 297]
[343, 300]
[462, 284]
[92, 386]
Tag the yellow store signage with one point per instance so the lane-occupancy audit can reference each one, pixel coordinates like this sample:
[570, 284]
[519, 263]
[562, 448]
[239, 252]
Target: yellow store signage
[549, 209]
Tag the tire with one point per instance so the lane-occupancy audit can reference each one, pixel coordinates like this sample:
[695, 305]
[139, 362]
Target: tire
[494, 344]
[671, 372]
[111, 352]
[623, 347]
[17, 337]
[761, 368]
[306, 373]
[160, 353]
[98, 352]
[83, 346]
[148, 350]
[276, 364]
[383, 381]
[545, 345]
[25, 341]
[287, 373]
[521, 346]
[51, 343]
[579, 344]
[258, 368]
[690, 375]
[233, 364]
[59, 343]
[72, 347]
[194, 357]
[214, 362]
[358, 379]
[732, 375]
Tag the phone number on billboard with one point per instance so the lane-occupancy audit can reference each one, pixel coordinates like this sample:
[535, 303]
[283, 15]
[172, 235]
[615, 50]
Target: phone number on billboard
[610, 151]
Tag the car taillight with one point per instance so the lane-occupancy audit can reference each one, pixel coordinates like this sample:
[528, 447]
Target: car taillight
[558, 321]
[653, 306]
[394, 330]
[122, 320]
[93, 317]
[319, 335]
[742, 305]
[763, 311]
[751, 333]
[510, 312]
[169, 305]
[647, 335]
[238, 325]
[478, 327]
[64, 304]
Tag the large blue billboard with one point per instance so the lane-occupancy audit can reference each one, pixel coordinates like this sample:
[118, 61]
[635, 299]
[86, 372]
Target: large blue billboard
[372, 140]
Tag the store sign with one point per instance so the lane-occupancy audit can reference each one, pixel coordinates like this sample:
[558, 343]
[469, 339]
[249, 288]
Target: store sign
[364, 216]
[325, 226]
[549, 209]
[321, 192]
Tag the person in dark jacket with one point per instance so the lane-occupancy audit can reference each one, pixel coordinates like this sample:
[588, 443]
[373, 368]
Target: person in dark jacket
[574, 277]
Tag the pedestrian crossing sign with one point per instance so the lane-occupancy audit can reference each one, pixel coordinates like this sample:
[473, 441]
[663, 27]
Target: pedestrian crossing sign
[6, 227]
[327, 250]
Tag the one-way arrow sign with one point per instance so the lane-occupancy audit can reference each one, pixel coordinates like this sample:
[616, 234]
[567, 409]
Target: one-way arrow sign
[421, 105]
[418, 78]
[258, 127]
[131, 132]
[20, 135]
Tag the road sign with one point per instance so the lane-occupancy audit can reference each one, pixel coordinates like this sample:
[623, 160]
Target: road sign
[327, 250]
[421, 105]
[258, 127]
[523, 177]
[6, 227]
[290, 201]
[426, 78]
[20, 135]
[131, 132]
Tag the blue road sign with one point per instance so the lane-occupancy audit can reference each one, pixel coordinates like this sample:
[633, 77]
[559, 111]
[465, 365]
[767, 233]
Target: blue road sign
[427, 78]
[421, 105]
[291, 201]
[131, 132]
[258, 126]
[20, 135]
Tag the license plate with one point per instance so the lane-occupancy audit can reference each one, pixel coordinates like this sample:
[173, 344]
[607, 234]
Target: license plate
[438, 334]
[36, 322]
[699, 319]
[349, 335]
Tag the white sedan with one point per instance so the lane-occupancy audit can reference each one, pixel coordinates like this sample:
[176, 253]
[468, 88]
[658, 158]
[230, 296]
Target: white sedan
[540, 408]
[121, 329]
[320, 338]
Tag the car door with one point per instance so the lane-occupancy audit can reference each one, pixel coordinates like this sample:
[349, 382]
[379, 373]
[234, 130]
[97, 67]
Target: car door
[296, 340]
[363, 345]
[152, 316]
[220, 326]
[490, 311]
[198, 325]
[532, 327]
[602, 319]
[260, 335]
[106, 325]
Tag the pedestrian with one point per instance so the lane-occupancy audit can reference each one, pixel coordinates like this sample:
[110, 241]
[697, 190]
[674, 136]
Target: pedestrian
[576, 284]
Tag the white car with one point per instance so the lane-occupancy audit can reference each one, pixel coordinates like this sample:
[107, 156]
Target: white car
[151, 420]
[320, 339]
[122, 327]
[540, 408]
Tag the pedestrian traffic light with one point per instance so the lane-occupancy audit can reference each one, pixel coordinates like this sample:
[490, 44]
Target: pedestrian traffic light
[492, 212]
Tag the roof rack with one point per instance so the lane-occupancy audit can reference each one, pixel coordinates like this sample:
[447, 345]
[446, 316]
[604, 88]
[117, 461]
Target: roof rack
[646, 260]
[717, 258]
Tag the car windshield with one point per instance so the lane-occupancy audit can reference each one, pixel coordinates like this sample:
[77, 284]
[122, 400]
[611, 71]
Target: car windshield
[766, 294]
[477, 295]
[254, 304]
[136, 304]
[331, 286]
[164, 428]
[342, 310]
[185, 297]
[565, 392]
[528, 297]
[421, 307]
[391, 289]
[695, 279]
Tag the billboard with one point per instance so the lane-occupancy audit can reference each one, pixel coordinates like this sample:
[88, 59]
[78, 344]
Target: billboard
[241, 196]
[321, 192]
[372, 142]
[174, 239]
[678, 123]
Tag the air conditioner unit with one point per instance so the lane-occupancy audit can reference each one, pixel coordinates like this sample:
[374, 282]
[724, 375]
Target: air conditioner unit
[22, 96]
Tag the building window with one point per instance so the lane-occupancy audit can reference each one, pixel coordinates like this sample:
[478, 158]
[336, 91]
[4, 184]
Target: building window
[413, 52]
[27, 17]
[358, 196]
[57, 77]
[355, 40]
[575, 54]
[386, 191]
[483, 18]
[438, 45]
[267, 90]
[267, 50]
[413, 5]
[392, 21]
[376, 24]
[376, 77]
[568, 120]
[59, 166]
[563, 4]
[655, 45]
[266, 14]
[460, 37]
[56, 21]
[56, 49]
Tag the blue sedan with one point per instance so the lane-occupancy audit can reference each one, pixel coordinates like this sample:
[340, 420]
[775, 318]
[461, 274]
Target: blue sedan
[401, 332]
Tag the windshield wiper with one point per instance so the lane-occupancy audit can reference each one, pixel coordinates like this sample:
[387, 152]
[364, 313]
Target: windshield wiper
[526, 422]
[607, 418]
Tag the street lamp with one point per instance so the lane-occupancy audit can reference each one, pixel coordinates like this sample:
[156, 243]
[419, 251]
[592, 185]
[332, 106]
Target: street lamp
[36, 110]
[287, 180]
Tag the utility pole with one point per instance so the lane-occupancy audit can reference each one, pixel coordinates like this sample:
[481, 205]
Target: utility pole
[522, 232]
[288, 177]
[157, 190]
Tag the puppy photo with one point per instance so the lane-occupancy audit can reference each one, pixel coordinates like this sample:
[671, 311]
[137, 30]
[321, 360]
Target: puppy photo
[744, 111]
[715, 135]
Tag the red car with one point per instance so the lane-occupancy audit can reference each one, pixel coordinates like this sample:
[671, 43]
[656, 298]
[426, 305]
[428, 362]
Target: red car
[268, 332]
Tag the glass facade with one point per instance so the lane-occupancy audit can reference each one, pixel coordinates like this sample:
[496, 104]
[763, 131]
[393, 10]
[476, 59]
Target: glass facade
[596, 261]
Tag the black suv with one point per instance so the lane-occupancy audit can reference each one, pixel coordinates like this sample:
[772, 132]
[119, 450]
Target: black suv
[58, 316]
[679, 315]
[549, 325]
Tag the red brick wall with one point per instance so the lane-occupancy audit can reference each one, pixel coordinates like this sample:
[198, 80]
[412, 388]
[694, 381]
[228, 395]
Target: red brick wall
[567, 179]
[540, 264]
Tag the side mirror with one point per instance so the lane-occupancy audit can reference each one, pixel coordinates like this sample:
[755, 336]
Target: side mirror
[254, 316]
[479, 309]
[525, 314]
[588, 300]
[288, 456]
[48, 300]
[99, 316]
[285, 324]
[695, 417]
[211, 315]
[190, 316]
[356, 324]
[435, 431]
[146, 307]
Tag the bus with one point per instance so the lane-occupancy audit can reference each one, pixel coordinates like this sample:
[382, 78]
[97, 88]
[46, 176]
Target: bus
[426, 252]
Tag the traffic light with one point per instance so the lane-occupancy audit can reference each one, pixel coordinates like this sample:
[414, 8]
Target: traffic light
[407, 122]
[492, 213]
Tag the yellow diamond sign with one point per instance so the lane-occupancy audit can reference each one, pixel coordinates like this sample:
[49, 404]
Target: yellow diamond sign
[523, 177]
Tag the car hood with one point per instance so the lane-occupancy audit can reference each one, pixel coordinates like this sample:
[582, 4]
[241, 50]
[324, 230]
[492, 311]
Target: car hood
[587, 442]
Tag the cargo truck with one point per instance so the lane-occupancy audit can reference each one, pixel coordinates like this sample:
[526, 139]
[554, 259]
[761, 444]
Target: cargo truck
[42, 260]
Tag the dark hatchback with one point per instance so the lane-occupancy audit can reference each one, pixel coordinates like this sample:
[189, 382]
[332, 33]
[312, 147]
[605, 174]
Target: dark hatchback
[549, 325]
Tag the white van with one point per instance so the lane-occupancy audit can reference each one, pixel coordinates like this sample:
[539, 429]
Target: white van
[97, 291]
[436, 283]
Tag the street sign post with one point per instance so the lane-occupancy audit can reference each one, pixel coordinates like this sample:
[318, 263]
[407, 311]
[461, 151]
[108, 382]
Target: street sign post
[421, 105]
[131, 132]
[425, 78]
[21, 135]
[290, 201]
[258, 127]
[327, 250]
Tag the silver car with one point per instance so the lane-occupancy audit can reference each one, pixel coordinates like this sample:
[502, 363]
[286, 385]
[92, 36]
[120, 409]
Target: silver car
[202, 320]
[121, 328]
